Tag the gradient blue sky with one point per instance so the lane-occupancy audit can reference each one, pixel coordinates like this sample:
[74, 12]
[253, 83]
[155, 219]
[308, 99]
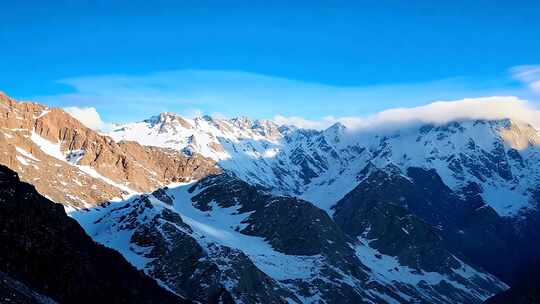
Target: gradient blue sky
[131, 59]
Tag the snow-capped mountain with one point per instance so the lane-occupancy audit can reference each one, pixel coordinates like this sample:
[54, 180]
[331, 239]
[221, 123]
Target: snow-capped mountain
[487, 168]
[322, 166]
[475, 181]
[252, 150]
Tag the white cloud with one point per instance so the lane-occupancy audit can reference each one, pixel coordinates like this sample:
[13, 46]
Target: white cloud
[89, 117]
[303, 122]
[528, 74]
[490, 108]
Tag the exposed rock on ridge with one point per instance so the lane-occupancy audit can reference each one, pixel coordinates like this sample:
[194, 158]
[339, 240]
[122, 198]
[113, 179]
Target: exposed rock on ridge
[77, 166]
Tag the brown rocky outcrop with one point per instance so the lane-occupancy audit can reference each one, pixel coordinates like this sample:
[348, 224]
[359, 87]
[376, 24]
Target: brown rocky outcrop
[77, 166]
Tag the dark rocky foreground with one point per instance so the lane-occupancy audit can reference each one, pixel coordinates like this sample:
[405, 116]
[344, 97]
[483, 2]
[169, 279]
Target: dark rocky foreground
[47, 257]
[525, 291]
[15, 292]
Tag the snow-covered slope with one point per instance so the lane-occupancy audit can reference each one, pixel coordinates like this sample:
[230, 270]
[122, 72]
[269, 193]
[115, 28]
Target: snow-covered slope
[322, 166]
[203, 242]
[500, 156]
[252, 150]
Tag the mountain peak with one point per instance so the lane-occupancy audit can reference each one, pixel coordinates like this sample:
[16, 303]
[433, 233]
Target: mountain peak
[4, 98]
[242, 122]
[162, 117]
[338, 127]
[167, 119]
[264, 123]
[155, 119]
[266, 128]
[334, 132]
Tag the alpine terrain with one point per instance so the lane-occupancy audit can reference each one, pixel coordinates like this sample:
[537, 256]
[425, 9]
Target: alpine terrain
[247, 211]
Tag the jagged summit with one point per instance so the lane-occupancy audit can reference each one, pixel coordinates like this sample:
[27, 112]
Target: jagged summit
[242, 122]
[162, 117]
[167, 120]
[336, 127]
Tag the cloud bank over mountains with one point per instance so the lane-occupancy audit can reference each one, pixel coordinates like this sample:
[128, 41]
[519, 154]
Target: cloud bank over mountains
[489, 108]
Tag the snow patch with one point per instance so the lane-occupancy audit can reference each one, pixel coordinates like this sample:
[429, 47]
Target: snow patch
[23, 161]
[49, 148]
[26, 154]
[93, 173]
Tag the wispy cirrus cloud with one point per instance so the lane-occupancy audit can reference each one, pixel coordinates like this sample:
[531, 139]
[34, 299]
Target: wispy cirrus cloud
[233, 93]
[529, 75]
[122, 98]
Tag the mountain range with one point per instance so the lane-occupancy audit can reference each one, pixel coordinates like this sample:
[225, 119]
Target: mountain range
[239, 211]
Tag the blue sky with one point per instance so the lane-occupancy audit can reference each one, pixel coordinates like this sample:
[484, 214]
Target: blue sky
[132, 59]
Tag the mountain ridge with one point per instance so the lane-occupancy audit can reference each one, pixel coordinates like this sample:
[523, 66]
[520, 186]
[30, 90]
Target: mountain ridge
[48, 148]
[294, 161]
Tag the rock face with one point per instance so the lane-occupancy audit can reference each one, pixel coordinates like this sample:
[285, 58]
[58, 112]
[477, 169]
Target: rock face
[47, 256]
[468, 226]
[222, 239]
[79, 167]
